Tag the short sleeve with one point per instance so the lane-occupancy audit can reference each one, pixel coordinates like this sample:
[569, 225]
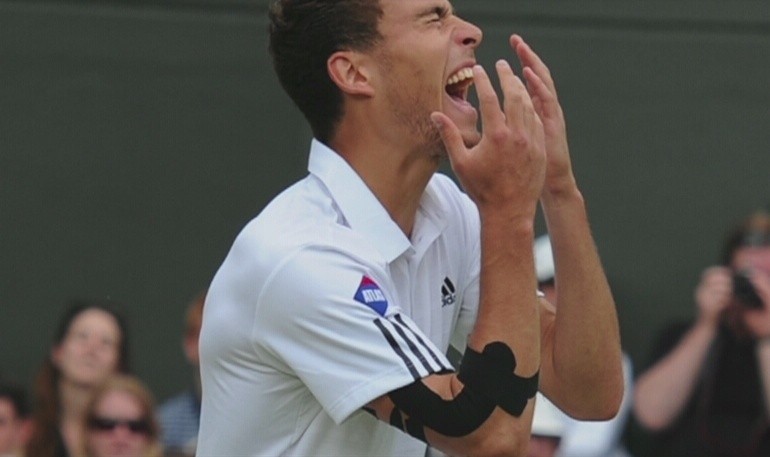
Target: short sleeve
[331, 319]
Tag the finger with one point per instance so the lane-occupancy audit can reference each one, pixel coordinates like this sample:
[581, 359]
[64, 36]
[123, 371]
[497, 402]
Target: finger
[489, 104]
[517, 103]
[529, 58]
[547, 105]
[450, 135]
[716, 272]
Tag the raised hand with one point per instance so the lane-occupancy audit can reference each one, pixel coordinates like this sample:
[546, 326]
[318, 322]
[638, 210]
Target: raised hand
[542, 89]
[505, 170]
[713, 294]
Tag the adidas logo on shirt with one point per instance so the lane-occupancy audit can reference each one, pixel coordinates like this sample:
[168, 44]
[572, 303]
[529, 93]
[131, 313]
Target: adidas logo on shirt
[448, 297]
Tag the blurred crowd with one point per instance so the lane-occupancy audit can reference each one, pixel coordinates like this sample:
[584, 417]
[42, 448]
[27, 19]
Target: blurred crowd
[87, 403]
[704, 391]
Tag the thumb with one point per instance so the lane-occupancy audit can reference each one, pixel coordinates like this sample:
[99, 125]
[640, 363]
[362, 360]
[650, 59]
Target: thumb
[450, 135]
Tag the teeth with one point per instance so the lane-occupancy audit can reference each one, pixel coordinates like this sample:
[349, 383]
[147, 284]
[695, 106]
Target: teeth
[462, 75]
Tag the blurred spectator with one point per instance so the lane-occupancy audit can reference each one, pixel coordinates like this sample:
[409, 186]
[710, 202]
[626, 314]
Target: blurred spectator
[180, 415]
[89, 345]
[119, 421]
[706, 393]
[15, 424]
[585, 438]
[547, 428]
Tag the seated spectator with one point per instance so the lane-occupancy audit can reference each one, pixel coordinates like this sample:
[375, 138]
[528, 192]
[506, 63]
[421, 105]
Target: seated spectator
[119, 421]
[180, 415]
[15, 424]
[90, 344]
[585, 438]
[707, 391]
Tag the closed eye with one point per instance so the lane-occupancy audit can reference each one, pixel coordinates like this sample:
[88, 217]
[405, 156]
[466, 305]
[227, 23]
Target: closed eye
[441, 12]
[436, 14]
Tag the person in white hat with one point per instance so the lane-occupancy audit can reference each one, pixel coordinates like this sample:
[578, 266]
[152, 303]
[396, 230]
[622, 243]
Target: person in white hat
[580, 438]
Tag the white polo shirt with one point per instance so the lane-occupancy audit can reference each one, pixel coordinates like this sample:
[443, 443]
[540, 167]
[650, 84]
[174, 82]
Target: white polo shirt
[322, 305]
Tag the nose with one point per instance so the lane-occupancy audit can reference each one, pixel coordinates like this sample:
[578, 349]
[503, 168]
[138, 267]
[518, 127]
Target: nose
[469, 34]
[92, 343]
[121, 433]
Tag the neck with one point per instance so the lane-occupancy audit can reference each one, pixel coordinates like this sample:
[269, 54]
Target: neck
[72, 399]
[396, 174]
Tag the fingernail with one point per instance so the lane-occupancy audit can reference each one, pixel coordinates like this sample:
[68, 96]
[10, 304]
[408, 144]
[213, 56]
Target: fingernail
[437, 121]
[502, 63]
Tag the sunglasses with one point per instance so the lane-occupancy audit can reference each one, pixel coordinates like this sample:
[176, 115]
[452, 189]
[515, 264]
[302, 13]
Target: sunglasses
[105, 424]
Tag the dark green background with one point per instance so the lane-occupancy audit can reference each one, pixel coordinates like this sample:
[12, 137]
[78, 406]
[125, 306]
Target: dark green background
[136, 139]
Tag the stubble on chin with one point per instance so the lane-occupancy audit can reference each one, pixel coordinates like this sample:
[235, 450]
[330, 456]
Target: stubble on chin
[434, 145]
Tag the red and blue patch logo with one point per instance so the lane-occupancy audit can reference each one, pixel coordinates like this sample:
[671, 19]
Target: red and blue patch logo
[370, 294]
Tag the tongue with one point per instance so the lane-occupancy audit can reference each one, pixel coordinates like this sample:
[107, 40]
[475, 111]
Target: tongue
[460, 101]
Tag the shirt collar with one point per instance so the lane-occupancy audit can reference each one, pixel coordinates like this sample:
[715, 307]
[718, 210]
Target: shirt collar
[363, 212]
[430, 221]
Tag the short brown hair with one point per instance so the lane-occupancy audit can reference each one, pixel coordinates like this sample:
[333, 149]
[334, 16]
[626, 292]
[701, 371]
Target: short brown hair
[303, 35]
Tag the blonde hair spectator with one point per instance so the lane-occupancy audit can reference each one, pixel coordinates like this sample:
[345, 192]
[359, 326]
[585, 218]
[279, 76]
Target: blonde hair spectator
[120, 421]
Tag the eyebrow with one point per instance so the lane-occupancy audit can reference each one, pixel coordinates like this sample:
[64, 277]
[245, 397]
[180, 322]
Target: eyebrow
[441, 10]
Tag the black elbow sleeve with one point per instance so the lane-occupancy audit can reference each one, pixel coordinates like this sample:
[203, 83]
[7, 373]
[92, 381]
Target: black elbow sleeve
[488, 380]
[491, 372]
[456, 417]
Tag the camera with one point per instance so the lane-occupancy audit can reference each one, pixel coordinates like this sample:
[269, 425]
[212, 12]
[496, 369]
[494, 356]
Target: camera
[744, 291]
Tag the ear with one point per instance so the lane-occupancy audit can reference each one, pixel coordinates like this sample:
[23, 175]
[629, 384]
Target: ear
[350, 73]
[190, 347]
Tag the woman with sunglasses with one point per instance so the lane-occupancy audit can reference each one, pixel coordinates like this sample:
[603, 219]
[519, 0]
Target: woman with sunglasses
[120, 421]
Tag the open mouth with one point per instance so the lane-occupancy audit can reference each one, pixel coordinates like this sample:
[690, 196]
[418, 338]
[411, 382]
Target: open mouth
[458, 84]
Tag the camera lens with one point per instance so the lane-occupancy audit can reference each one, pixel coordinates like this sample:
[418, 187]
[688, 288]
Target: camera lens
[744, 291]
